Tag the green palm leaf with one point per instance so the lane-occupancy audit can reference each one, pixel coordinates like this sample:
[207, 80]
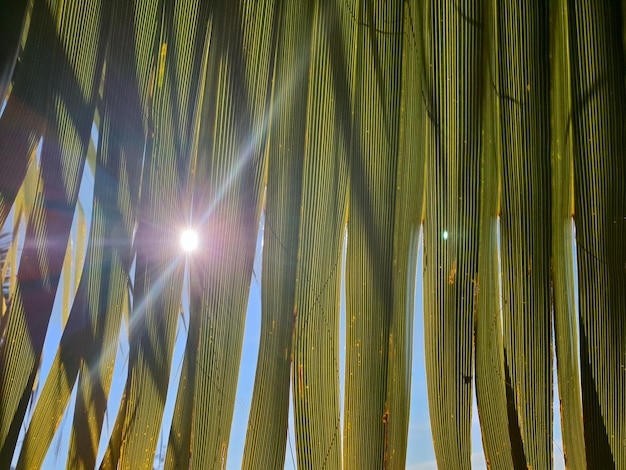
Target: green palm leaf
[227, 201]
[158, 277]
[566, 339]
[525, 227]
[491, 380]
[375, 243]
[452, 100]
[62, 157]
[267, 427]
[597, 71]
[407, 218]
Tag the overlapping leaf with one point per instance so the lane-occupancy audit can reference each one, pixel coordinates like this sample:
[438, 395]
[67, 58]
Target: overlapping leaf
[525, 228]
[489, 354]
[267, 427]
[90, 337]
[378, 263]
[562, 268]
[227, 193]
[68, 110]
[452, 99]
[597, 118]
[12, 21]
[158, 275]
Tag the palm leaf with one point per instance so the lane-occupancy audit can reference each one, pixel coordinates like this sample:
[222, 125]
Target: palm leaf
[452, 100]
[90, 336]
[375, 175]
[62, 157]
[597, 71]
[525, 226]
[158, 277]
[13, 19]
[29, 109]
[121, 139]
[407, 218]
[491, 380]
[315, 379]
[267, 427]
[564, 298]
[227, 201]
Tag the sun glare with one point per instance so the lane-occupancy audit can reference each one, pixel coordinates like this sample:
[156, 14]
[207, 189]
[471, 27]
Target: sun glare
[189, 240]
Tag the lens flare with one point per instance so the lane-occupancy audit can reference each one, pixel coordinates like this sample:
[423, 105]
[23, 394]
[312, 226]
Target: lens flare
[189, 240]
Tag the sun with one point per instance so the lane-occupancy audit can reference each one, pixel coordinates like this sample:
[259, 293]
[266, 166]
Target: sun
[189, 240]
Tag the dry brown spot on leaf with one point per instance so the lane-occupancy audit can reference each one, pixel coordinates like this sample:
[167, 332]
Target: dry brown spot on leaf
[452, 273]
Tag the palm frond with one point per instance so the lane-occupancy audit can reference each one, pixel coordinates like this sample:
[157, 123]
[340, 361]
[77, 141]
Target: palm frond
[348, 128]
